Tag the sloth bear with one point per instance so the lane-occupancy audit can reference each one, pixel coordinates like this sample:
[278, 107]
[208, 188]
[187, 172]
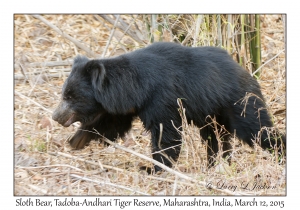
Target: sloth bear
[107, 94]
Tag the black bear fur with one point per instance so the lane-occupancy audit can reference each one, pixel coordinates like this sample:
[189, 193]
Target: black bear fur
[107, 94]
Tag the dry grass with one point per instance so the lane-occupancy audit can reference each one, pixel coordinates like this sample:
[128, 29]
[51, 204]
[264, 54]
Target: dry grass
[44, 163]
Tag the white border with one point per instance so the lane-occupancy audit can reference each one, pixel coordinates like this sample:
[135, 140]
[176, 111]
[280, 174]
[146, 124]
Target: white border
[137, 6]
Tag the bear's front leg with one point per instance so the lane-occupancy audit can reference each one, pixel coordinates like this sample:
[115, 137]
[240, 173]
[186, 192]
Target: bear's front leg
[82, 137]
[108, 126]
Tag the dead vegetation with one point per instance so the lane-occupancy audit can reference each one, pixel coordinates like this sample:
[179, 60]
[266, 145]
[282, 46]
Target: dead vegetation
[44, 163]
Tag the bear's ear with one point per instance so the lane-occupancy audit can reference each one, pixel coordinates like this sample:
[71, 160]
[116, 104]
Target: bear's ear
[96, 70]
[79, 62]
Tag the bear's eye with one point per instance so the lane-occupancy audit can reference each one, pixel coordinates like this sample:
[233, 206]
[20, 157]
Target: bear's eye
[67, 97]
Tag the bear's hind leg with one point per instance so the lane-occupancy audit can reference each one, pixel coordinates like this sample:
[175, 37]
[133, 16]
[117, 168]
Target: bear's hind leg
[208, 134]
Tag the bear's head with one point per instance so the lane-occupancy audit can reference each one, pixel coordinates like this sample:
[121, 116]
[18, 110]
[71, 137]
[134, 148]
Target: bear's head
[78, 102]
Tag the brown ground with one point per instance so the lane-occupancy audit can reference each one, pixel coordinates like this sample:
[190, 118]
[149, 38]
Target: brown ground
[44, 163]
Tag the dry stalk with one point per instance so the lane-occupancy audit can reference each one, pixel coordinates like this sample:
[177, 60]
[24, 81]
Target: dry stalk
[186, 134]
[32, 101]
[67, 62]
[123, 28]
[119, 41]
[267, 62]
[20, 190]
[175, 185]
[170, 180]
[114, 168]
[86, 161]
[54, 75]
[107, 183]
[37, 189]
[59, 31]
[110, 36]
[49, 166]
